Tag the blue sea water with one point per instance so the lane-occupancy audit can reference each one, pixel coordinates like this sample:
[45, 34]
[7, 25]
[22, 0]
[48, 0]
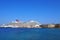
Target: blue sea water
[29, 34]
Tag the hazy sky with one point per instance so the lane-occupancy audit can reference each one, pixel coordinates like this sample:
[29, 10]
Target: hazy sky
[44, 11]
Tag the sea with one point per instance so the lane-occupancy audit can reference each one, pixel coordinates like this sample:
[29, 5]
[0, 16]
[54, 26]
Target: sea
[29, 33]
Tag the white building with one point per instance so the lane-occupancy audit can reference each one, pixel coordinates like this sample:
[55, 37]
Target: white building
[51, 25]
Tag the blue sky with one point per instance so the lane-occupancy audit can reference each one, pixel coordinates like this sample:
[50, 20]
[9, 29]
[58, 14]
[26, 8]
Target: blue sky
[44, 11]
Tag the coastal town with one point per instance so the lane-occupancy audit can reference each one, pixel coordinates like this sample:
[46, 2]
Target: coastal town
[29, 24]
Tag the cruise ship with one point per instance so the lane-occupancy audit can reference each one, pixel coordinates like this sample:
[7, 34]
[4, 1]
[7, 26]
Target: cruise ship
[19, 24]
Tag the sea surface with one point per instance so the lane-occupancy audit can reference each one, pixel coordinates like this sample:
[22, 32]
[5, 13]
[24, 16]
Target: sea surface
[29, 34]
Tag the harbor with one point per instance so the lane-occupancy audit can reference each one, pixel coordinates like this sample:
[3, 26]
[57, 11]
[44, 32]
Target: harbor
[29, 24]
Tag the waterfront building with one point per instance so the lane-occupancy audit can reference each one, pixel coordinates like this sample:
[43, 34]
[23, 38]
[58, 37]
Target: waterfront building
[51, 25]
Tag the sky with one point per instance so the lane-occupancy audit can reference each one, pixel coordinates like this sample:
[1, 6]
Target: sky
[44, 11]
